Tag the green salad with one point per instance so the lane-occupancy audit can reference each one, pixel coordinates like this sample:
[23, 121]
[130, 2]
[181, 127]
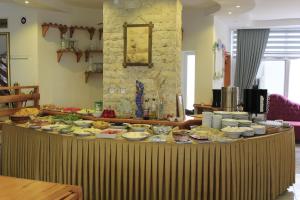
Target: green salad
[65, 118]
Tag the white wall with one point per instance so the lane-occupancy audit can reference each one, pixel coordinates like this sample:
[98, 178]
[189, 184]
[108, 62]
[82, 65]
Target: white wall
[222, 33]
[60, 83]
[23, 44]
[64, 83]
[199, 37]
[200, 33]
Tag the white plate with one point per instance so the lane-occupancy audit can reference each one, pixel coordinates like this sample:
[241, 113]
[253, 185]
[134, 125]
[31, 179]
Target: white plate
[49, 127]
[106, 136]
[82, 134]
[84, 123]
[135, 136]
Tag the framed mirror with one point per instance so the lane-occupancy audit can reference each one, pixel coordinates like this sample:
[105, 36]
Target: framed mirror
[138, 45]
[4, 59]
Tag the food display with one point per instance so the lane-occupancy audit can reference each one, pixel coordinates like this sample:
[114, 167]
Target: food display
[71, 110]
[135, 136]
[101, 124]
[75, 124]
[82, 132]
[52, 107]
[27, 112]
[66, 118]
[23, 115]
[109, 133]
[83, 123]
[139, 127]
[86, 111]
[161, 130]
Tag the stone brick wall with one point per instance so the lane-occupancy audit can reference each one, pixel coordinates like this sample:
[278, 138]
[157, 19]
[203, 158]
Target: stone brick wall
[166, 52]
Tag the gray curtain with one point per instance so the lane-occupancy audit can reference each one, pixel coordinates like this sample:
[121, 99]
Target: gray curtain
[251, 45]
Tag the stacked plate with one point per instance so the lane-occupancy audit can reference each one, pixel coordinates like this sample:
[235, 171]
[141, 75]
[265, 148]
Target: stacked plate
[207, 119]
[247, 132]
[259, 129]
[244, 123]
[217, 121]
[225, 115]
[229, 122]
[232, 132]
[271, 123]
[135, 136]
[240, 115]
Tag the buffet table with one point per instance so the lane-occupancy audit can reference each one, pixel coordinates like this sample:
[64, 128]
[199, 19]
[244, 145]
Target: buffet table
[15, 188]
[255, 168]
[186, 124]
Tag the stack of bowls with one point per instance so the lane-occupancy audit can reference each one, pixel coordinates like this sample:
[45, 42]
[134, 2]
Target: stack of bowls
[217, 121]
[244, 123]
[229, 122]
[259, 130]
[207, 119]
[247, 132]
[225, 115]
[240, 115]
[232, 132]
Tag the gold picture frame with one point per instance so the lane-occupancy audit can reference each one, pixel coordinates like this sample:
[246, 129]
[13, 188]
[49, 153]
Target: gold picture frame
[138, 44]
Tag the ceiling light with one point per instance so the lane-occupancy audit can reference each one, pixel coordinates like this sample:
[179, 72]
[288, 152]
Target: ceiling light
[237, 6]
[27, 2]
[229, 13]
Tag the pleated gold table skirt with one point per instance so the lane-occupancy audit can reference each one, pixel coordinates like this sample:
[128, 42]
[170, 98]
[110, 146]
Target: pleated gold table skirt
[258, 168]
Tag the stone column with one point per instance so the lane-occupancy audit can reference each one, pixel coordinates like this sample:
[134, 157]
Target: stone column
[166, 52]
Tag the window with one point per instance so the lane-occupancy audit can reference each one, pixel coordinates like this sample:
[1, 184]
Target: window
[271, 76]
[188, 79]
[281, 77]
[294, 81]
[280, 68]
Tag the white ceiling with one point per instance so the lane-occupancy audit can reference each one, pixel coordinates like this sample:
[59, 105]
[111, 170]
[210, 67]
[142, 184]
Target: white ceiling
[250, 13]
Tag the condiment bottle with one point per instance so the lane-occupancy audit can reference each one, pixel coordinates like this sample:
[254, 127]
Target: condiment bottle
[146, 109]
[153, 110]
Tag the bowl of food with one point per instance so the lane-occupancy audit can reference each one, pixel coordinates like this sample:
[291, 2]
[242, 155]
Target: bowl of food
[23, 115]
[101, 124]
[19, 119]
[135, 136]
[139, 127]
[83, 123]
[232, 132]
[109, 133]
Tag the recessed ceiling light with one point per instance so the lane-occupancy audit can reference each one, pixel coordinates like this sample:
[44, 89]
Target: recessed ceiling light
[229, 13]
[27, 2]
[237, 6]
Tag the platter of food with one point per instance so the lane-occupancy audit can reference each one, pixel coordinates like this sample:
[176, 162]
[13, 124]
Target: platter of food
[83, 123]
[23, 115]
[109, 133]
[135, 136]
[101, 124]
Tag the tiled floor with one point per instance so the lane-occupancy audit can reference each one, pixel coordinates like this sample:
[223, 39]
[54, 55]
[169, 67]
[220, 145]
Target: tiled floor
[293, 192]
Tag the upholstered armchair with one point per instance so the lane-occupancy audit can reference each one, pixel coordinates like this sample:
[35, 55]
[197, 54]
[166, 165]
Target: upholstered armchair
[282, 108]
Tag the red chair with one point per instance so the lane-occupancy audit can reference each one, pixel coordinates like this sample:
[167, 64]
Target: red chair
[282, 108]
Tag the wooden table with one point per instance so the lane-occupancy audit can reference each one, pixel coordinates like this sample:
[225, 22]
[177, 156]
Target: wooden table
[15, 188]
[199, 108]
[189, 121]
[258, 168]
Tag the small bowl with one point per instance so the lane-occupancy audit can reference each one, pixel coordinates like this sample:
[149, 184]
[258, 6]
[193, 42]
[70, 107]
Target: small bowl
[83, 123]
[97, 114]
[233, 135]
[19, 119]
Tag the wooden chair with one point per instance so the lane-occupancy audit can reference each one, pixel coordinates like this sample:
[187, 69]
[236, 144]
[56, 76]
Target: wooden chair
[15, 98]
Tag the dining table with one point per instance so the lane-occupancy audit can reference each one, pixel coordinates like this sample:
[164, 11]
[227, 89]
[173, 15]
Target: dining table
[259, 168]
[15, 188]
